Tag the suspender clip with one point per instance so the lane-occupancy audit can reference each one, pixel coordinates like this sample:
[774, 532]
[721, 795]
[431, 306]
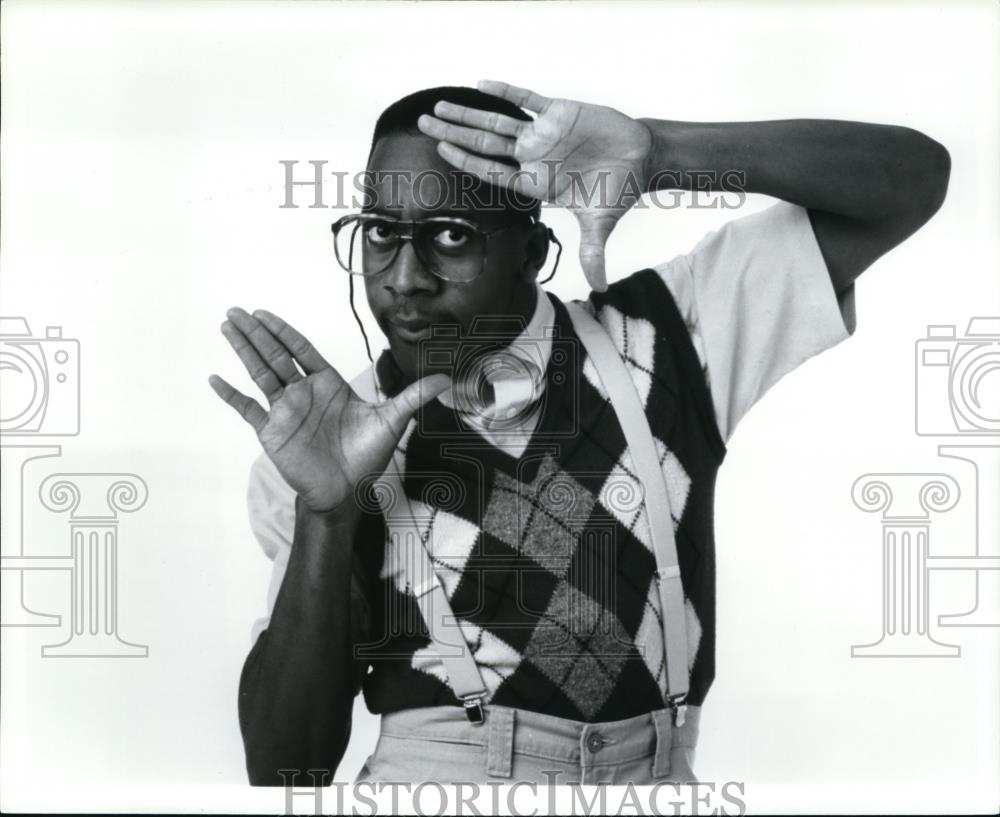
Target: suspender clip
[474, 710]
[669, 572]
[678, 708]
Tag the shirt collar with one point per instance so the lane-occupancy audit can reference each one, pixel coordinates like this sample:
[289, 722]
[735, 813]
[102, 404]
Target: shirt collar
[516, 372]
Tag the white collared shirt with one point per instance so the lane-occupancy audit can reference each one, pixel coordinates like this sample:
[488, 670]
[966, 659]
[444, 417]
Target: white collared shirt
[756, 298]
[517, 375]
[757, 301]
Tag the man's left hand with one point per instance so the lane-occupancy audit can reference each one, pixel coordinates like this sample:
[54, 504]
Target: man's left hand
[588, 158]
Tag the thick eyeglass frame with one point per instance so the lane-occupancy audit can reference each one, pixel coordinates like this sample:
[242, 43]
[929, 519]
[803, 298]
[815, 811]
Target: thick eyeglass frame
[408, 233]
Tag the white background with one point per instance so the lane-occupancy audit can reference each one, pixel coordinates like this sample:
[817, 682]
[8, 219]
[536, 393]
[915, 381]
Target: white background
[141, 187]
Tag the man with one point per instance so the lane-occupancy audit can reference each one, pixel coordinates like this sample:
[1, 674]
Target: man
[513, 462]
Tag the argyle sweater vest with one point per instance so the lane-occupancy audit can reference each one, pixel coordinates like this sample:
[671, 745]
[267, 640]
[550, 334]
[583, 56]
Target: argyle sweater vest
[546, 557]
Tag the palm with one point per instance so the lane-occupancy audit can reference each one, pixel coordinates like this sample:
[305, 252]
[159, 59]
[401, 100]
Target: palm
[322, 437]
[587, 158]
[583, 144]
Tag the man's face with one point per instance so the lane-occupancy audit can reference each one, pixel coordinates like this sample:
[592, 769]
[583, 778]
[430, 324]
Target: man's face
[407, 299]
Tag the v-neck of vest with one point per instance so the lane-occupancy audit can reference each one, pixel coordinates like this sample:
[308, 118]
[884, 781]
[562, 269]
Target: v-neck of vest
[551, 434]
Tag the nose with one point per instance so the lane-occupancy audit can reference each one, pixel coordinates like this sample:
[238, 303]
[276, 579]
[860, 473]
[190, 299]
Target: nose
[406, 276]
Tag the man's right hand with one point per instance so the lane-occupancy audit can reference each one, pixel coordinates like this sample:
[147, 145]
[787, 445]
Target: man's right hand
[322, 437]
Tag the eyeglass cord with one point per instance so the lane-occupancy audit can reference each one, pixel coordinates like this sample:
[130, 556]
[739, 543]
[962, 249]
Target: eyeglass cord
[552, 237]
[357, 317]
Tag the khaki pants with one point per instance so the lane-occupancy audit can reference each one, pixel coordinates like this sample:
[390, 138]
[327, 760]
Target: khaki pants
[439, 744]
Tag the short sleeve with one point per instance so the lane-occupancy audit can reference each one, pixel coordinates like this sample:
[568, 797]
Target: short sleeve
[758, 301]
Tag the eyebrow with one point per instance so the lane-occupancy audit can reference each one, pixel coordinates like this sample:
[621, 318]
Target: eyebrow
[465, 215]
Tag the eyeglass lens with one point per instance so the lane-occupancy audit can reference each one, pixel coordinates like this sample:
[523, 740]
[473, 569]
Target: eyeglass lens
[450, 250]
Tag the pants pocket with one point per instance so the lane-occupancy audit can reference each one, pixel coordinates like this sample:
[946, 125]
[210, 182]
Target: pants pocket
[404, 760]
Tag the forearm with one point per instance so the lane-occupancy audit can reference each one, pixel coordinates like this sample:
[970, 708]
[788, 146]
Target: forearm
[855, 170]
[296, 690]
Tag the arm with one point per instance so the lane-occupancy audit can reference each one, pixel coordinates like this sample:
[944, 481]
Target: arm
[867, 187]
[324, 439]
[297, 686]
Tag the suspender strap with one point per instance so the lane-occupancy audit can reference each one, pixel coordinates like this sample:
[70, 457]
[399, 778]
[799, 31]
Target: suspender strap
[638, 437]
[419, 575]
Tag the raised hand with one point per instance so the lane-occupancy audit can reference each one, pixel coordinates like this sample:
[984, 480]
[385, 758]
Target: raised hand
[587, 158]
[320, 434]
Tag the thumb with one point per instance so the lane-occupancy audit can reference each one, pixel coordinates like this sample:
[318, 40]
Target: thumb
[595, 229]
[405, 404]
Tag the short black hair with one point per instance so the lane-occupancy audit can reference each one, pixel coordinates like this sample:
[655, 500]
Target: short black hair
[402, 115]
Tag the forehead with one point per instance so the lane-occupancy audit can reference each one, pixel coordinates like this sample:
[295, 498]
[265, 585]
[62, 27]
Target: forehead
[408, 179]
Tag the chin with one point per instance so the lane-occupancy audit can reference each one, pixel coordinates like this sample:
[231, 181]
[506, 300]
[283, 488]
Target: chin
[406, 356]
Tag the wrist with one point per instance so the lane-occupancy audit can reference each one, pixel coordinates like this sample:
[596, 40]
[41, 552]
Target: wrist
[663, 167]
[337, 515]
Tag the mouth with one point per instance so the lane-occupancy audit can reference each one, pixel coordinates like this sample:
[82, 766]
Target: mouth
[411, 330]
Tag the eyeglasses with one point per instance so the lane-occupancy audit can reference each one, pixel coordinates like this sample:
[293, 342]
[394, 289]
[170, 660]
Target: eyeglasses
[454, 249]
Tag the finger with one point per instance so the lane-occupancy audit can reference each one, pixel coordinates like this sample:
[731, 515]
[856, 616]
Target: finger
[594, 233]
[404, 405]
[301, 350]
[498, 123]
[248, 408]
[496, 173]
[262, 374]
[519, 96]
[271, 351]
[481, 141]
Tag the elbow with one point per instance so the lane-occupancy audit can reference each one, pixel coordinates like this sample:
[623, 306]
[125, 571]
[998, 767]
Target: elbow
[930, 172]
[265, 771]
[938, 175]
[288, 738]
[277, 756]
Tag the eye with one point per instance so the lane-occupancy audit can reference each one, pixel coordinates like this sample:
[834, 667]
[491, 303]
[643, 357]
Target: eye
[380, 234]
[452, 238]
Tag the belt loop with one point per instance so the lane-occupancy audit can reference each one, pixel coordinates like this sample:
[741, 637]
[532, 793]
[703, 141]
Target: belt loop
[500, 748]
[664, 740]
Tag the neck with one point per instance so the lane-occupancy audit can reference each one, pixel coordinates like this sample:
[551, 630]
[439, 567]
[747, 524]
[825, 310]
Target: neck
[521, 305]
[523, 301]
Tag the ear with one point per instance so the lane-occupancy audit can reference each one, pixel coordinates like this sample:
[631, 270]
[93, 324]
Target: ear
[536, 250]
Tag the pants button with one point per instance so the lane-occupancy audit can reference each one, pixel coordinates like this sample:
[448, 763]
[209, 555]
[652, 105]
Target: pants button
[595, 743]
